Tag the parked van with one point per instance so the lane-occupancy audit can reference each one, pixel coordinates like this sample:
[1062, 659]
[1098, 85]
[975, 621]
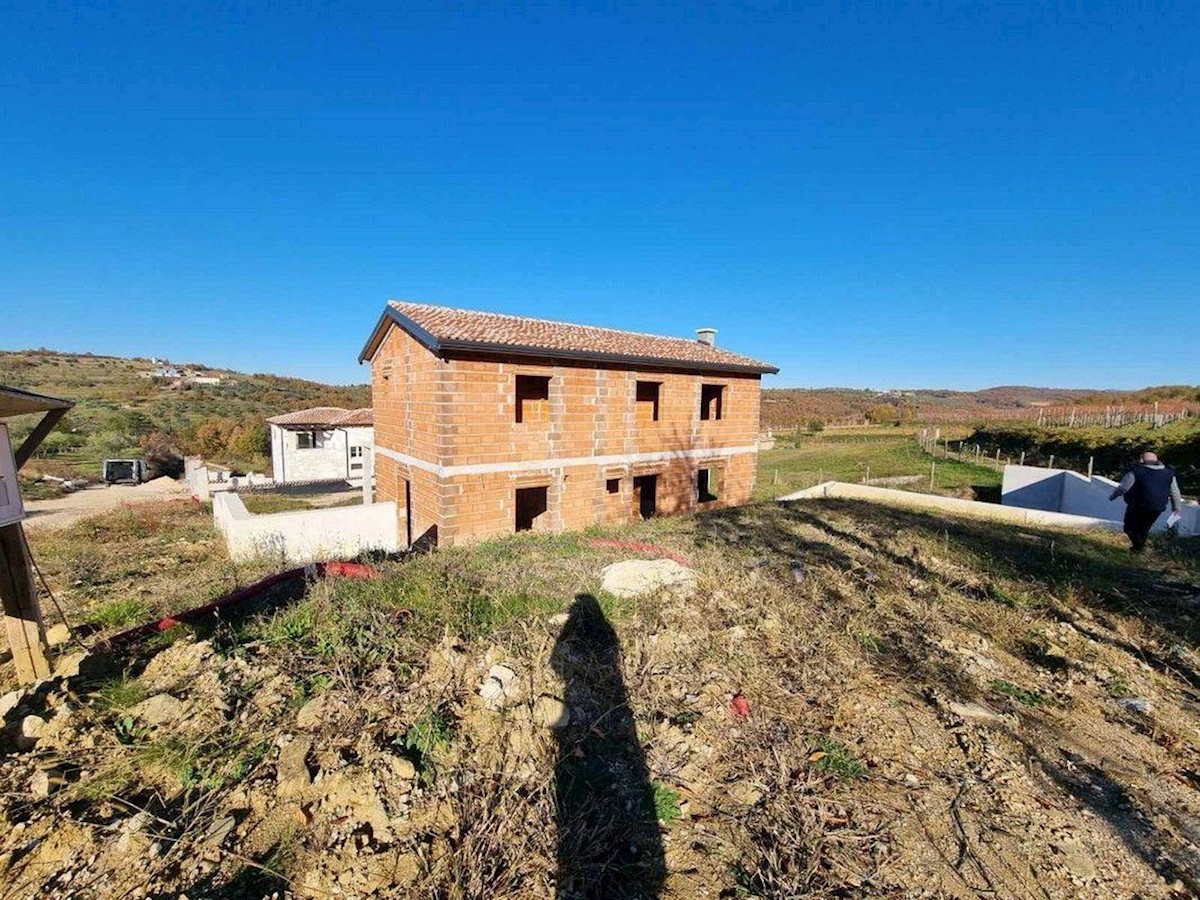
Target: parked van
[125, 471]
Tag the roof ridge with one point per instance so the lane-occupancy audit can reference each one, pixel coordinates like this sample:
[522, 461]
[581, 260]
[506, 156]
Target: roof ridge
[484, 312]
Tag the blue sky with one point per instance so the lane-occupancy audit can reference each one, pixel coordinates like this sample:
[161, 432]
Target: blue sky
[880, 195]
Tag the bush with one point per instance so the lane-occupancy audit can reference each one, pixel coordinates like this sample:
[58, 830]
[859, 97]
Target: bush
[160, 452]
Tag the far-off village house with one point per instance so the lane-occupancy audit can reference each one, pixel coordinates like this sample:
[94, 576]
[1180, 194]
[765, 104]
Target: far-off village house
[487, 424]
[322, 444]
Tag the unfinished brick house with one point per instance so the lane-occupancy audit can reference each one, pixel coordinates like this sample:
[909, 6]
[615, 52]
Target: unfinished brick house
[487, 424]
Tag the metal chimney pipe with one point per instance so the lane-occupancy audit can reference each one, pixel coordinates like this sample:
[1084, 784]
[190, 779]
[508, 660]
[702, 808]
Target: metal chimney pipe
[707, 336]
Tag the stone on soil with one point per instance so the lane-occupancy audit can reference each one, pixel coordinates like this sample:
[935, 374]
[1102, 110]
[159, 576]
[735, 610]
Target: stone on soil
[291, 772]
[974, 712]
[550, 712]
[642, 577]
[158, 710]
[10, 701]
[68, 666]
[500, 689]
[1139, 705]
[181, 661]
[29, 732]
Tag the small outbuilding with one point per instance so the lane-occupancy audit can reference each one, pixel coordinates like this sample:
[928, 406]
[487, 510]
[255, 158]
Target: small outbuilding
[22, 616]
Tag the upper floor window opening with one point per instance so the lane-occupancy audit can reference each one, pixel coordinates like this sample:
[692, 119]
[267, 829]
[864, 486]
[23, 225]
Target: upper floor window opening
[711, 400]
[646, 399]
[532, 398]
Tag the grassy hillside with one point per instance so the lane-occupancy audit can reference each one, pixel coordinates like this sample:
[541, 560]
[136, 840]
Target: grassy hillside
[116, 406]
[855, 702]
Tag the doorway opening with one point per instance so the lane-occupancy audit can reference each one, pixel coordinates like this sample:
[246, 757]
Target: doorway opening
[645, 495]
[531, 503]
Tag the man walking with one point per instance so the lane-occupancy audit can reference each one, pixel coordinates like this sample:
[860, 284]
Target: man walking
[1147, 488]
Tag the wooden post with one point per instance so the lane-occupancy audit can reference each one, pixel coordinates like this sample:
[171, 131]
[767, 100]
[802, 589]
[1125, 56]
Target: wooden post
[932, 472]
[1022, 462]
[1050, 465]
[22, 617]
[997, 456]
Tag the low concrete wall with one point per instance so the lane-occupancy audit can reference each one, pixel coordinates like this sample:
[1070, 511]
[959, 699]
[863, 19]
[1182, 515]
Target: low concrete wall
[203, 481]
[308, 535]
[933, 503]
[1061, 490]
[196, 475]
[1031, 487]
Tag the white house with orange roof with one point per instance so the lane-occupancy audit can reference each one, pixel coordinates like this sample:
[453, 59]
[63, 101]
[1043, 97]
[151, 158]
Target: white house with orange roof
[325, 443]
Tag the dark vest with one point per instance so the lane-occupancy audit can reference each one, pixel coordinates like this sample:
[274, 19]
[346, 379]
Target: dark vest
[1151, 489]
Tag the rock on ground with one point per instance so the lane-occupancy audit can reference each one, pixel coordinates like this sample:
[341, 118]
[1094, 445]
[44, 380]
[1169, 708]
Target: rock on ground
[291, 772]
[550, 712]
[640, 577]
[158, 710]
[500, 689]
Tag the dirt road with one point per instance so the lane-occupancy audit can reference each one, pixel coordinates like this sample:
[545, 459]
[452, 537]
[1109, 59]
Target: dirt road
[91, 501]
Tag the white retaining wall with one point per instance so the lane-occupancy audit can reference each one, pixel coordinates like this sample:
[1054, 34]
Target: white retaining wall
[1061, 490]
[307, 535]
[932, 502]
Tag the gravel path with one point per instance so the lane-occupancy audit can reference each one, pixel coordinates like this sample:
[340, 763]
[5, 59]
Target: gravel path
[63, 511]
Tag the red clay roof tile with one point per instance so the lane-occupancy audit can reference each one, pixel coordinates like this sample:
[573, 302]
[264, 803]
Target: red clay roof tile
[448, 329]
[318, 415]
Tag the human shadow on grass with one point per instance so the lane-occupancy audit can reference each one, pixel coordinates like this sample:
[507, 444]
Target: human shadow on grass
[609, 843]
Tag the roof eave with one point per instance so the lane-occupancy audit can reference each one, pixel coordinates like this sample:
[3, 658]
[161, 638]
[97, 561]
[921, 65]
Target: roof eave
[440, 347]
[15, 401]
[589, 356]
[391, 316]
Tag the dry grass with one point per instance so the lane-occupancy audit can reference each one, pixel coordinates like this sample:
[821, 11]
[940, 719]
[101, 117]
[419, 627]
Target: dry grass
[849, 629]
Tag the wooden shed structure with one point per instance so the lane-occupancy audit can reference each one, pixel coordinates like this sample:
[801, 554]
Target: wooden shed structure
[22, 616]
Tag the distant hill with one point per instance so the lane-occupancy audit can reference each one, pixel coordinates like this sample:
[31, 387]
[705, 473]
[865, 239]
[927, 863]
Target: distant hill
[120, 401]
[792, 407]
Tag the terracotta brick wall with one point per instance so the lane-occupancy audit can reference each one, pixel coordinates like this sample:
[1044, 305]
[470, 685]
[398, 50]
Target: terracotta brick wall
[462, 412]
[592, 412]
[407, 389]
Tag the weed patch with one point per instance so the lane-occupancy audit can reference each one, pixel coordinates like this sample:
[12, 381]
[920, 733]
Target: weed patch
[119, 613]
[666, 803]
[833, 758]
[1021, 695]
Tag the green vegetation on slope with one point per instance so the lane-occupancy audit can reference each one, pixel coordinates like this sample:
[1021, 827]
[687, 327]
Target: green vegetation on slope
[119, 412]
[1113, 449]
[785, 408]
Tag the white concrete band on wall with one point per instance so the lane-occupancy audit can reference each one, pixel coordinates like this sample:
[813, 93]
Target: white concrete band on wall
[537, 465]
[307, 535]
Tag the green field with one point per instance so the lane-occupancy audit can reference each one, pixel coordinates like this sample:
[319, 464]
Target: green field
[867, 453]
